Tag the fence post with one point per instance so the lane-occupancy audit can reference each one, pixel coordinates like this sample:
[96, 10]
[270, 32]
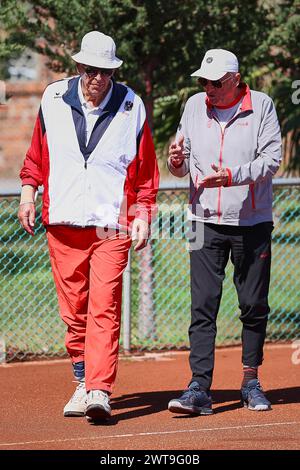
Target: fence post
[2, 350]
[146, 324]
[127, 306]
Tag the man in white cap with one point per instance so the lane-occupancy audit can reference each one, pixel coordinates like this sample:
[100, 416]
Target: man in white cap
[229, 141]
[92, 151]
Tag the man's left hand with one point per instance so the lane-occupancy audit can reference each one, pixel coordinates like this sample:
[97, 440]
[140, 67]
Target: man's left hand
[219, 178]
[140, 232]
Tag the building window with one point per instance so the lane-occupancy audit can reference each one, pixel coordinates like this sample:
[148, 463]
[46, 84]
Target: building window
[24, 67]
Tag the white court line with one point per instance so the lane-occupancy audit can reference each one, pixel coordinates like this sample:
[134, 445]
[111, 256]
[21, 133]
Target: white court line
[158, 433]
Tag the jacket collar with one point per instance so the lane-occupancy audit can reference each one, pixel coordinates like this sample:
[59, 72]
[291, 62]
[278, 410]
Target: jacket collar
[246, 104]
[71, 95]
[72, 99]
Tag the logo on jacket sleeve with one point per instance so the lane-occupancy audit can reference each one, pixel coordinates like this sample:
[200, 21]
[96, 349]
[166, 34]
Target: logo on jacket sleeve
[128, 105]
[124, 161]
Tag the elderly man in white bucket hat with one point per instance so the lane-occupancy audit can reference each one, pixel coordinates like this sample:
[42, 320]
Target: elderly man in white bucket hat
[92, 151]
[233, 131]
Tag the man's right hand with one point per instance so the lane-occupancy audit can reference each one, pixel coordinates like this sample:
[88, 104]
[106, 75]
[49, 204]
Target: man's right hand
[26, 216]
[176, 155]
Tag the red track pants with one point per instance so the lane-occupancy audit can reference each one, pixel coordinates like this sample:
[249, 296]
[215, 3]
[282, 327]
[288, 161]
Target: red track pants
[87, 265]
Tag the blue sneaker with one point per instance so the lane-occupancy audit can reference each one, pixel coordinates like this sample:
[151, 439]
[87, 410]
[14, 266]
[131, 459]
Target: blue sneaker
[253, 398]
[192, 401]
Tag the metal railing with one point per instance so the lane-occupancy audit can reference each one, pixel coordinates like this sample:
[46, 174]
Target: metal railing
[156, 296]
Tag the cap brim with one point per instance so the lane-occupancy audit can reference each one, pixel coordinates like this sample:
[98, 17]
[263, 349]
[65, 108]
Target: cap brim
[208, 74]
[95, 61]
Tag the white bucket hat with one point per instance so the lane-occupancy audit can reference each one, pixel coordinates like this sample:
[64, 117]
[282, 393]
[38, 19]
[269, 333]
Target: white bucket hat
[216, 63]
[98, 50]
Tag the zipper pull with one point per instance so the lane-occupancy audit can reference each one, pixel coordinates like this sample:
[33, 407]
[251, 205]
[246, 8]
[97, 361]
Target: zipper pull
[85, 164]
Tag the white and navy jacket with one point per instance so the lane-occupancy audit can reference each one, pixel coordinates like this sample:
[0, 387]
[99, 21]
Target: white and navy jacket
[106, 183]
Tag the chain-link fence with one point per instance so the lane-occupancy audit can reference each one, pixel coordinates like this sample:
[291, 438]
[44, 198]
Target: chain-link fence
[156, 289]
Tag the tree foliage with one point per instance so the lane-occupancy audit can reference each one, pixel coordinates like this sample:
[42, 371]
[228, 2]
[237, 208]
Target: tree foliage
[284, 70]
[163, 41]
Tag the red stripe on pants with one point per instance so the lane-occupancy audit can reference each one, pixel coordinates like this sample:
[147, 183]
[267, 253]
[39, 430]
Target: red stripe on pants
[87, 266]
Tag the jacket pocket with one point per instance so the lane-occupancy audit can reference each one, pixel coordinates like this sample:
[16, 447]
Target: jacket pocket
[261, 195]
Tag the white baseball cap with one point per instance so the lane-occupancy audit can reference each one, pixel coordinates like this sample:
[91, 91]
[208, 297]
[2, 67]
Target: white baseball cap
[98, 50]
[216, 63]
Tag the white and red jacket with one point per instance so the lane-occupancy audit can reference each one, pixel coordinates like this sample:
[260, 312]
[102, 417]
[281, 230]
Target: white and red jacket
[106, 183]
[249, 147]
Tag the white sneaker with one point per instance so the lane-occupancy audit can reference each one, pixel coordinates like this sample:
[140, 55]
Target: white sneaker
[98, 406]
[76, 406]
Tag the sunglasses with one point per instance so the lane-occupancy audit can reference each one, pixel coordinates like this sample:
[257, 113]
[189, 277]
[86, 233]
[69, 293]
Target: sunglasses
[215, 83]
[93, 71]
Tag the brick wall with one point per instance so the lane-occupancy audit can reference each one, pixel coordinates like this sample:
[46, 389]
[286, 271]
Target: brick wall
[17, 118]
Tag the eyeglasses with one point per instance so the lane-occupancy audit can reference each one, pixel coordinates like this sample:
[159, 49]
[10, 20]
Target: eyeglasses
[215, 83]
[93, 71]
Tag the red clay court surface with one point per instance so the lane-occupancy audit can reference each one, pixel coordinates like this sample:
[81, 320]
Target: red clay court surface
[34, 394]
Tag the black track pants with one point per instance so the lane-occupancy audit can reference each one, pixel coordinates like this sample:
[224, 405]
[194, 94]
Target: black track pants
[250, 251]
